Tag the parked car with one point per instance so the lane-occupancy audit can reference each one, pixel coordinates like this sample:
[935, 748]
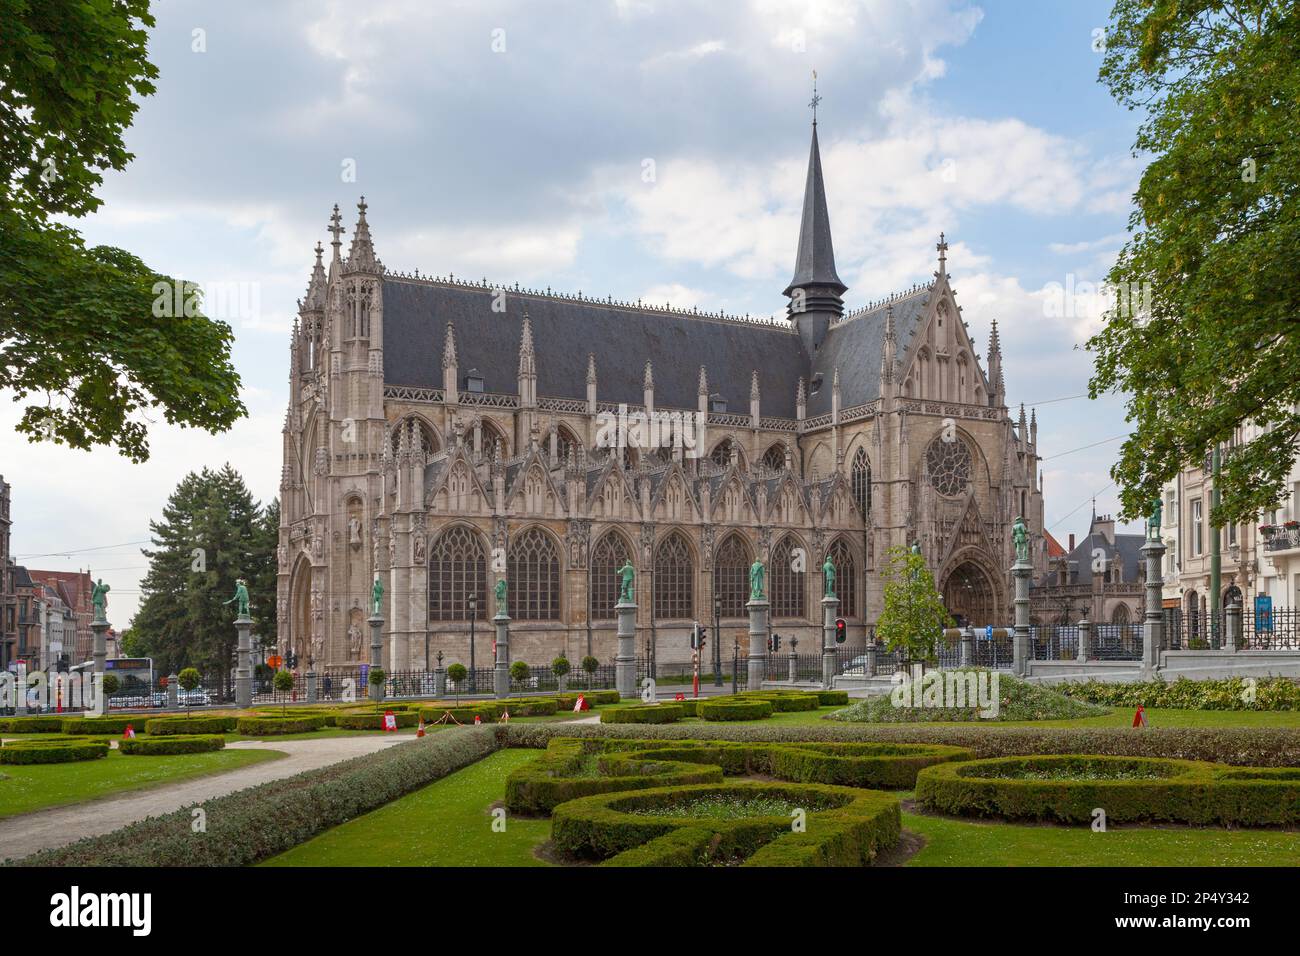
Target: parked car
[856, 667]
[198, 697]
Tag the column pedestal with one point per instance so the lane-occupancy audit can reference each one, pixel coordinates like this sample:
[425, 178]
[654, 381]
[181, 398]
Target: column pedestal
[830, 609]
[1153, 627]
[1085, 641]
[757, 643]
[244, 665]
[625, 660]
[1232, 637]
[100, 654]
[439, 683]
[376, 622]
[501, 672]
[1021, 571]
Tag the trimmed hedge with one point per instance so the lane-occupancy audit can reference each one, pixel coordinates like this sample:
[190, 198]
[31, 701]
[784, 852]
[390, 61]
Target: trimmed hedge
[1238, 746]
[168, 726]
[32, 725]
[464, 715]
[375, 721]
[642, 714]
[270, 726]
[558, 776]
[1129, 789]
[846, 827]
[66, 750]
[82, 726]
[253, 824]
[832, 698]
[734, 709]
[783, 701]
[170, 745]
[689, 706]
[532, 706]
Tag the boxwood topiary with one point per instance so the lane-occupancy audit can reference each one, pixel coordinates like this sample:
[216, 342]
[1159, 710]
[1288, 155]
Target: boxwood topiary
[65, 750]
[1068, 788]
[532, 706]
[732, 708]
[642, 714]
[168, 726]
[375, 721]
[832, 698]
[171, 745]
[845, 827]
[270, 726]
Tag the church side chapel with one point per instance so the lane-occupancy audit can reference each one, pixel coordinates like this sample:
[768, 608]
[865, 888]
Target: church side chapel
[443, 433]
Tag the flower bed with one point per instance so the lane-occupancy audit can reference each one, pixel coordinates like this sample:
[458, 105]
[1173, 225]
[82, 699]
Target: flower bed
[1069, 788]
[170, 745]
[1232, 693]
[668, 826]
[66, 750]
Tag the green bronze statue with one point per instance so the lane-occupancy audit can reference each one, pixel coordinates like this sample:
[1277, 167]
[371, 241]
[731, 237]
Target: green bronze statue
[828, 575]
[376, 598]
[627, 575]
[501, 596]
[1153, 522]
[756, 574]
[240, 600]
[99, 599]
[1020, 537]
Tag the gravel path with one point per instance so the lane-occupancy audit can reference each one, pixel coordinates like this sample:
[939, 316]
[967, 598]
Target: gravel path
[43, 829]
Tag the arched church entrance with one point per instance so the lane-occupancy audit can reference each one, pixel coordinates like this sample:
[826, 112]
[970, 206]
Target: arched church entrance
[969, 595]
[299, 637]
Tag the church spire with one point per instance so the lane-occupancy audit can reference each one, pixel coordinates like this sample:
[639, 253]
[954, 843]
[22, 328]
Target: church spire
[996, 382]
[888, 352]
[816, 292]
[335, 229]
[527, 365]
[316, 286]
[361, 255]
[449, 347]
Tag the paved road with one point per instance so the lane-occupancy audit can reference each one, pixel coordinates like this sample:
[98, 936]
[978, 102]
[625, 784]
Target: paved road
[43, 829]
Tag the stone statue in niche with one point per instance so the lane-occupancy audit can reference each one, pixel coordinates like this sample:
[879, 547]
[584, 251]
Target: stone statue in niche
[354, 532]
[354, 641]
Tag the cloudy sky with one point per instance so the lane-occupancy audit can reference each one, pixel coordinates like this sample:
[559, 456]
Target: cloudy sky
[640, 148]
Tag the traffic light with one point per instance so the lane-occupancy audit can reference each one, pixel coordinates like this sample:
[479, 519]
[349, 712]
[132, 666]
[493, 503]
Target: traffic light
[774, 643]
[841, 630]
[696, 632]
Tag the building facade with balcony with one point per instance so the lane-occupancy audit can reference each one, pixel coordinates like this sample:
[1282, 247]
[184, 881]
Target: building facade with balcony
[1101, 578]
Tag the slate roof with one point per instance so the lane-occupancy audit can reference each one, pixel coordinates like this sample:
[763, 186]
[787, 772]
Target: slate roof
[1126, 549]
[416, 313]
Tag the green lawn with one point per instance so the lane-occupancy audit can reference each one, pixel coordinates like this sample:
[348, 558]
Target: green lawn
[952, 842]
[448, 823]
[41, 786]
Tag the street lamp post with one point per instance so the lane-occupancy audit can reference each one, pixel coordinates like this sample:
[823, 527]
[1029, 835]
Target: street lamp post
[473, 613]
[735, 663]
[717, 640]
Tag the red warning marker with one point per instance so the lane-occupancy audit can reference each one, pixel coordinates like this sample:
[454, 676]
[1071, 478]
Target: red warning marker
[129, 733]
[1140, 717]
[419, 731]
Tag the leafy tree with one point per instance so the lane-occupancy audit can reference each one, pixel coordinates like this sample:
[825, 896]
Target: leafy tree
[560, 666]
[519, 671]
[88, 332]
[457, 673]
[590, 665]
[376, 678]
[1213, 239]
[110, 685]
[283, 682]
[913, 617]
[130, 644]
[189, 678]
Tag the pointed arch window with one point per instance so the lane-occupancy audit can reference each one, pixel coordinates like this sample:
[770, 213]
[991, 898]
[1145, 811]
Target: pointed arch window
[721, 454]
[533, 576]
[861, 481]
[846, 577]
[788, 584]
[610, 553]
[674, 583]
[457, 572]
[731, 575]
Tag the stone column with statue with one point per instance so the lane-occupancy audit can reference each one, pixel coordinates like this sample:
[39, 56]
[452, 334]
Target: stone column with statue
[501, 671]
[625, 609]
[830, 610]
[1021, 572]
[1153, 549]
[244, 645]
[99, 627]
[376, 622]
[758, 607]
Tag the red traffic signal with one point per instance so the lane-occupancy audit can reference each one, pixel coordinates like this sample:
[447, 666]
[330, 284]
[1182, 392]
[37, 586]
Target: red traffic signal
[841, 630]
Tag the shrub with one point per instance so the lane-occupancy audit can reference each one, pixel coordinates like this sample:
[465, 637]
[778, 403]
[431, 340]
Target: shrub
[1017, 700]
[259, 822]
[189, 678]
[832, 698]
[596, 697]
[734, 709]
[270, 726]
[783, 702]
[519, 671]
[846, 827]
[462, 715]
[1257, 747]
[1131, 789]
[168, 726]
[561, 775]
[560, 666]
[375, 677]
[532, 706]
[167, 746]
[110, 685]
[689, 706]
[99, 725]
[1233, 693]
[642, 714]
[456, 673]
[32, 725]
[404, 718]
[66, 750]
[590, 664]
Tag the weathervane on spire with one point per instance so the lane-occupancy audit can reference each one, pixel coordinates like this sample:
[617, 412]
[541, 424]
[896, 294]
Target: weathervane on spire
[815, 98]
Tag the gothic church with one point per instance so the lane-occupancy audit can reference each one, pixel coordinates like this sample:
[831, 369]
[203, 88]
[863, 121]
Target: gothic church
[441, 433]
